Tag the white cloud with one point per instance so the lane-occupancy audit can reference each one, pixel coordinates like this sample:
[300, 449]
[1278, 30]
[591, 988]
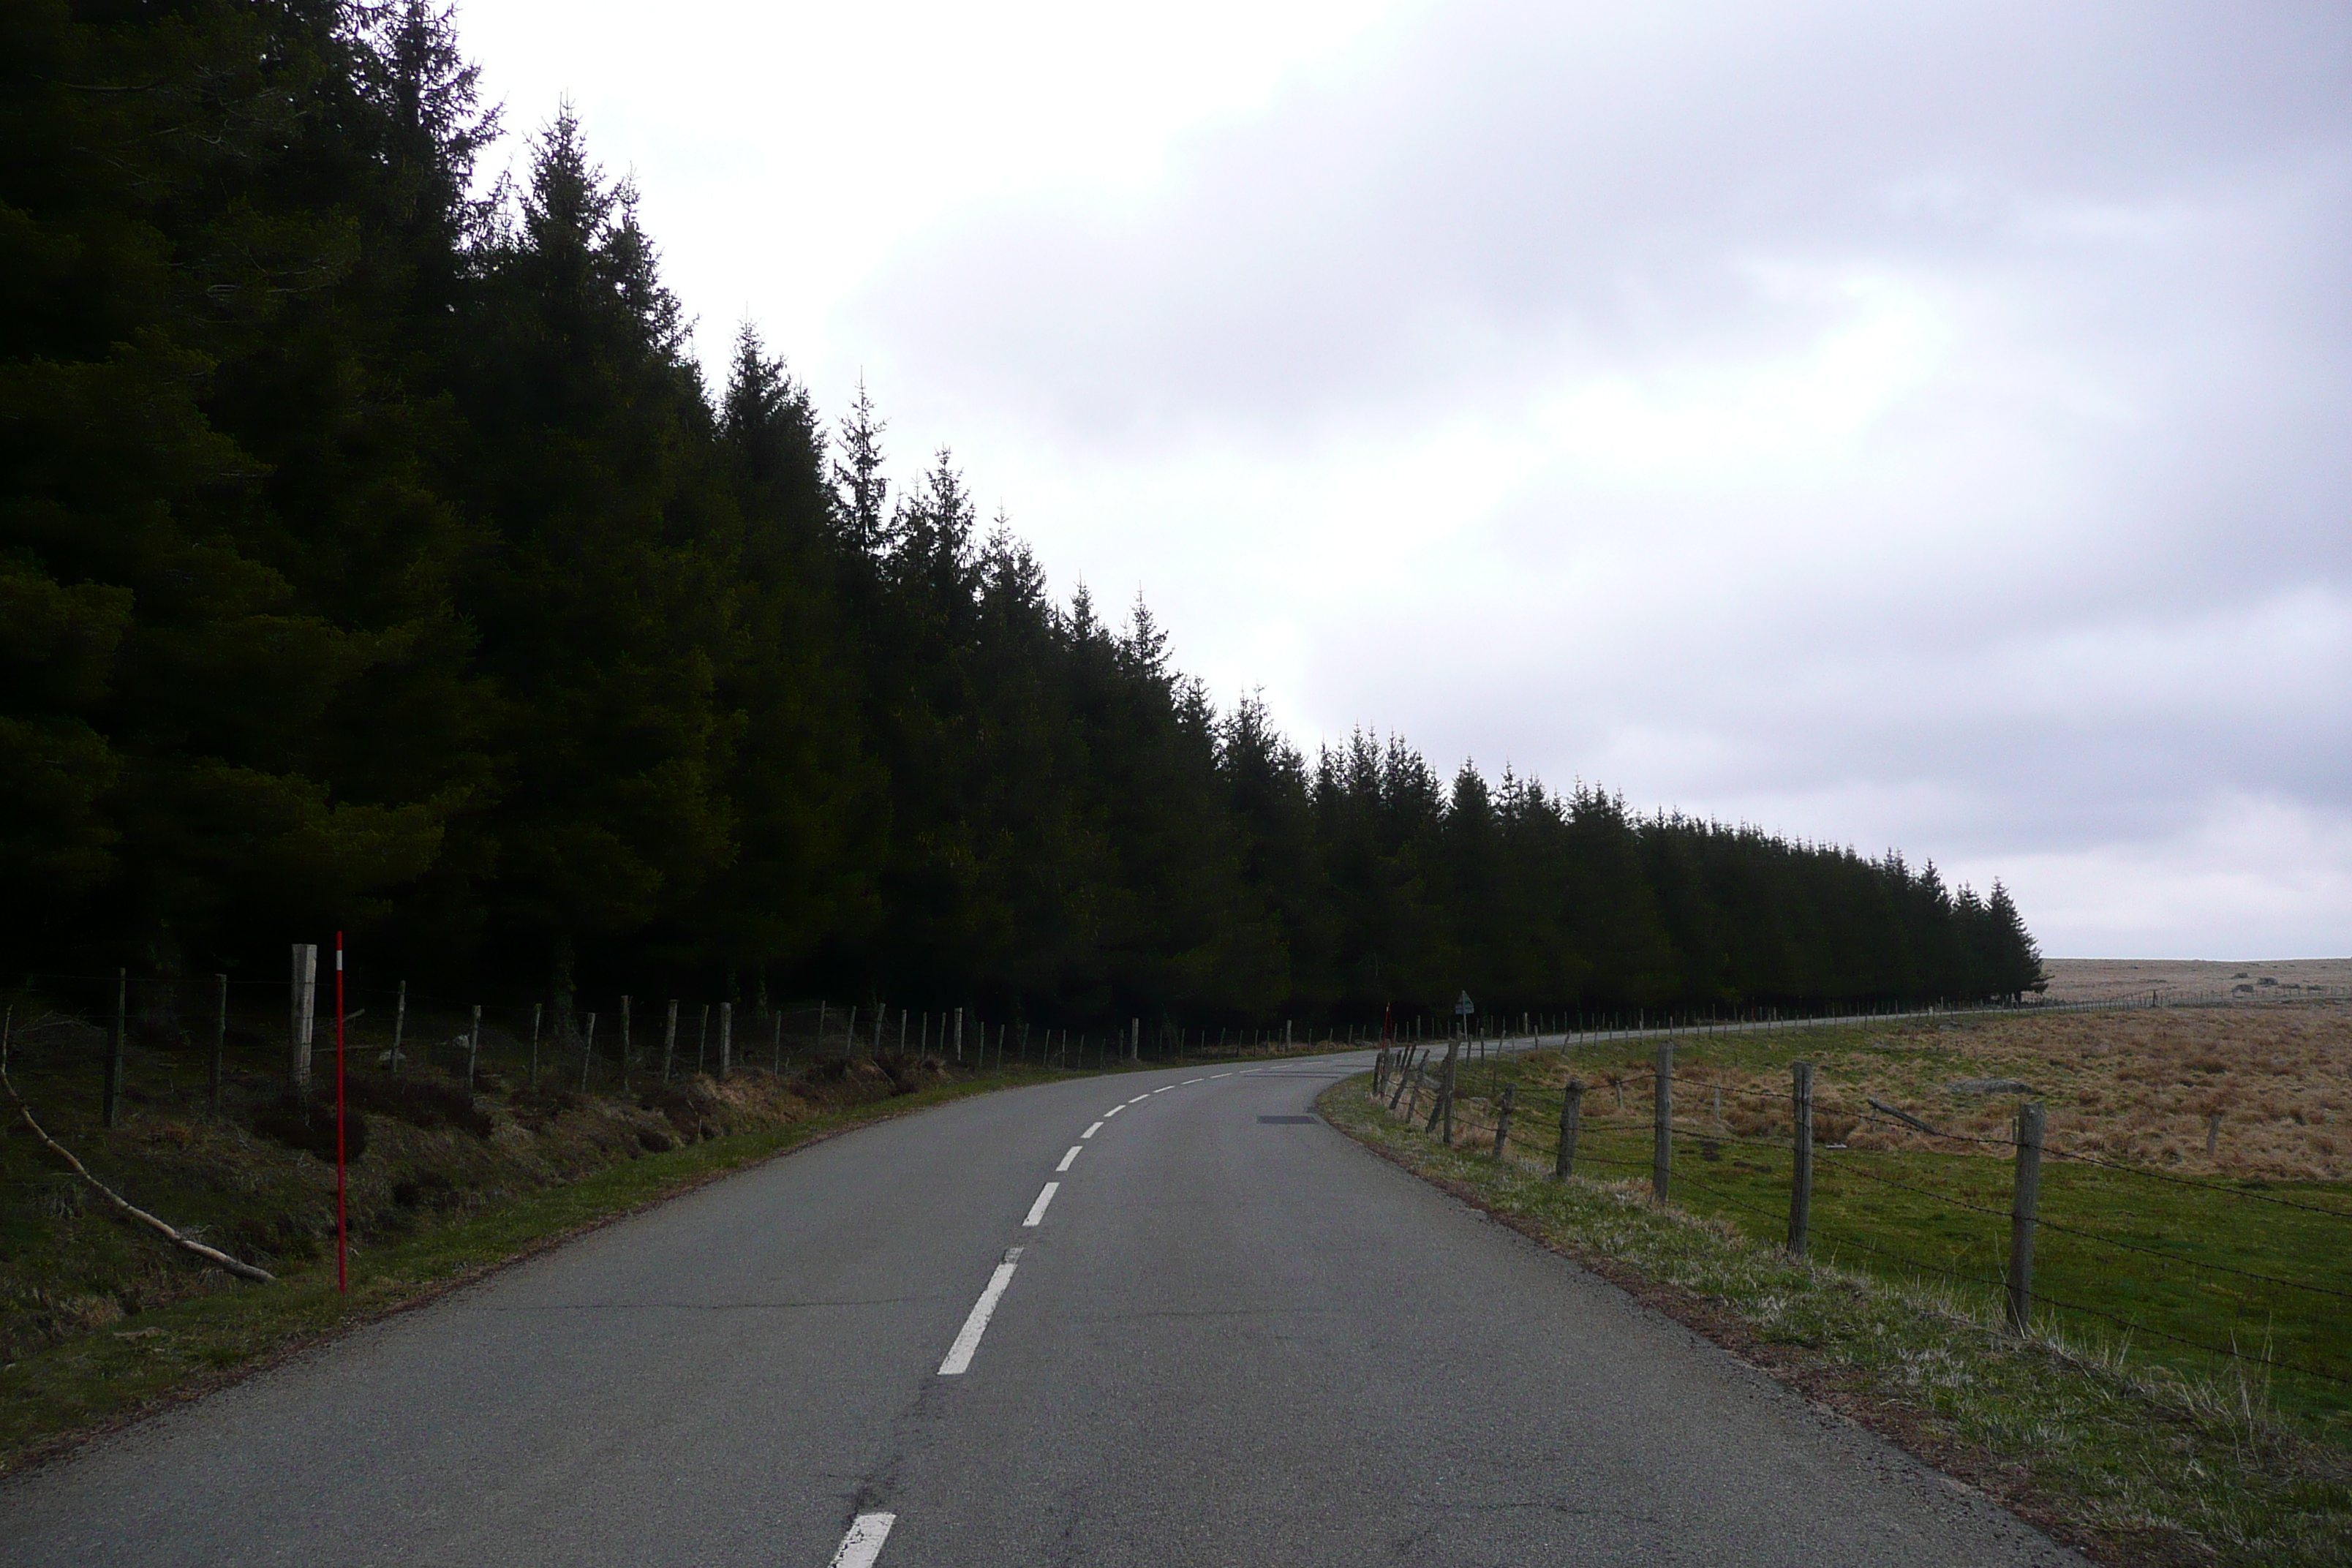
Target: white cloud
[2265, 873]
[1911, 425]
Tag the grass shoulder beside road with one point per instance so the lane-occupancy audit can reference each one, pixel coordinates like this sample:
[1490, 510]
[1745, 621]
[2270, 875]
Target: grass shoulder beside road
[2130, 1465]
[133, 1365]
[103, 1323]
[2168, 1255]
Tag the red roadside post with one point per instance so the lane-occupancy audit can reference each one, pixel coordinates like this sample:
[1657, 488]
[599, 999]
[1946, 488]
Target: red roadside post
[342, 1247]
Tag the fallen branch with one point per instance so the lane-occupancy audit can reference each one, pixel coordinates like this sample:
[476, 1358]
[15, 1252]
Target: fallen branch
[211, 1254]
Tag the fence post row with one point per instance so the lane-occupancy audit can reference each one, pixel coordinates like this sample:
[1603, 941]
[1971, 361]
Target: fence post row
[1800, 1187]
[1571, 1117]
[2023, 1200]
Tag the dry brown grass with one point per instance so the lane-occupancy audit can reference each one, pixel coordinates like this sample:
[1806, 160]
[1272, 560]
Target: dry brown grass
[2135, 1085]
[2263, 980]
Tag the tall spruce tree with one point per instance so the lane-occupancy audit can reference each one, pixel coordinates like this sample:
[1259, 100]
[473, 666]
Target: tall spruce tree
[372, 554]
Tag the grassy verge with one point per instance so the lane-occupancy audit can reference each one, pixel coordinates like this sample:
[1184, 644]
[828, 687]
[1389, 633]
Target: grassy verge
[102, 1323]
[2221, 1260]
[2130, 1464]
[92, 1382]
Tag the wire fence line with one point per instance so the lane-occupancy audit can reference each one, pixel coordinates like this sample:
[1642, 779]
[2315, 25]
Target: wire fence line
[1410, 1079]
[262, 1037]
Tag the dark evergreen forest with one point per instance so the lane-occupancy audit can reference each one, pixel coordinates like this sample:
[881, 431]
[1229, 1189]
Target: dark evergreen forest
[374, 555]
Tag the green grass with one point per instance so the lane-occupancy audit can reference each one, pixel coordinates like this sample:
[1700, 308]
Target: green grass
[1936, 1225]
[101, 1320]
[2129, 1461]
[92, 1381]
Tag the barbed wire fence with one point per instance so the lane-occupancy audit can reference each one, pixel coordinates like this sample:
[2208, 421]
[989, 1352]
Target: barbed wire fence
[1434, 1089]
[261, 1037]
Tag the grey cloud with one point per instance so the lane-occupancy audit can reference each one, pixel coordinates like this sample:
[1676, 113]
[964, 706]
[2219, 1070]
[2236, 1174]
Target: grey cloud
[2091, 579]
[1511, 186]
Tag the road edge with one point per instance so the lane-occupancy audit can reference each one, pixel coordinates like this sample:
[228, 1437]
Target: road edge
[1827, 1388]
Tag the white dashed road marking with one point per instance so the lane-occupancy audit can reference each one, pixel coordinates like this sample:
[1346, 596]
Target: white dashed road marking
[1037, 1209]
[864, 1542]
[1075, 1150]
[958, 1359]
[1091, 1130]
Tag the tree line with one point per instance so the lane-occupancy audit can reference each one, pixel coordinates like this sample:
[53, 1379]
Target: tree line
[374, 555]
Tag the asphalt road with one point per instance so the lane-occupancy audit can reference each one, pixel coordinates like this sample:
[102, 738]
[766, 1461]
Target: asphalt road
[1226, 1339]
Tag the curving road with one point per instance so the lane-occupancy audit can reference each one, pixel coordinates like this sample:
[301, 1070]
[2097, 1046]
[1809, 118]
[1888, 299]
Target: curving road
[1230, 1336]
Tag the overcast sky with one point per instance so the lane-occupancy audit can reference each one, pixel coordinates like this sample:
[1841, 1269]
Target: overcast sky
[1918, 425]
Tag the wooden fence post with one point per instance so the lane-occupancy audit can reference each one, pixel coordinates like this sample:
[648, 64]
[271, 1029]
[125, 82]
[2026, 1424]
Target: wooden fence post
[1445, 1096]
[669, 1039]
[1662, 1120]
[220, 1043]
[726, 1037]
[1404, 1070]
[113, 1104]
[400, 1025]
[301, 1008]
[776, 1049]
[538, 1012]
[1801, 1185]
[473, 1048]
[587, 1052]
[1503, 1118]
[2023, 1200]
[1571, 1117]
[702, 1042]
[817, 1050]
[2212, 1134]
[959, 1038]
[624, 1052]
